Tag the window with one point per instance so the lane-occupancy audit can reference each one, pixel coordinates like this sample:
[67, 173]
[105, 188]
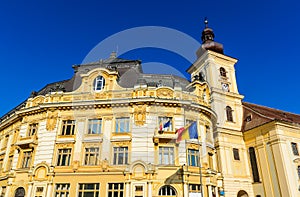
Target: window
[64, 157]
[295, 149]
[68, 127]
[26, 159]
[229, 114]
[115, 189]
[91, 156]
[120, 155]
[99, 83]
[253, 163]
[167, 191]
[165, 123]
[88, 190]
[236, 154]
[9, 162]
[194, 188]
[1, 163]
[298, 170]
[39, 192]
[122, 125]
[32, 129]
[193, 159]
[62, 190]
[222, 72]
[166, 155]
[94, 126]
[210, 161]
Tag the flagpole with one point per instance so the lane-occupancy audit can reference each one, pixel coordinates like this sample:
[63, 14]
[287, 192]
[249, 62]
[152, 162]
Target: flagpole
[200, 165]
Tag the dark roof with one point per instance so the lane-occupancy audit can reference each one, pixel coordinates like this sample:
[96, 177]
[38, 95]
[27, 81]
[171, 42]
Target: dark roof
[257, 115]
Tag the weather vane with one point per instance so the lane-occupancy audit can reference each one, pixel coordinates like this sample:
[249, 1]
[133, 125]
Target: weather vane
[206, 22]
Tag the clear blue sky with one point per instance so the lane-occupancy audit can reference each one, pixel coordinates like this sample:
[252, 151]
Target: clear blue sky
[41, 40]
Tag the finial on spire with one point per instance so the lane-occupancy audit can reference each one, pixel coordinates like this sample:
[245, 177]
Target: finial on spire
[206, 22]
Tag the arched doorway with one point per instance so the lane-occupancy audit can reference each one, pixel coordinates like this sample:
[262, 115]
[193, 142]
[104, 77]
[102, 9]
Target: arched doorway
[20, 192]
[242, 193]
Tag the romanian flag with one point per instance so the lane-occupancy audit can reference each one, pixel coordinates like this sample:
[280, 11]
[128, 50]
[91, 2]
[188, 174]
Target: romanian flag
[165, 125]
[189, 132]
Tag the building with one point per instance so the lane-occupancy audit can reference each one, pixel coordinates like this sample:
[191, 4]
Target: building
[110, 131]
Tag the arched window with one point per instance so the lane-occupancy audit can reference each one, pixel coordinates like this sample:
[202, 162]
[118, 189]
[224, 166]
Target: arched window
[253, 164]
[99, 83]
[167, 190]
[20, 192]
[229, 114]
[222, 72]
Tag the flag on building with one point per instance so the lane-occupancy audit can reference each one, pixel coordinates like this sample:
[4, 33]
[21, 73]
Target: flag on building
[165, 125]
[189, 132]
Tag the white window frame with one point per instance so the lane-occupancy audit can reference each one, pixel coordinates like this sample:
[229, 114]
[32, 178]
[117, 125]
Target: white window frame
[99, 83]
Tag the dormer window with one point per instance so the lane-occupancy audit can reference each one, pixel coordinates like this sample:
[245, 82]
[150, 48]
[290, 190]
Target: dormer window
[99, 83]
[222, 72]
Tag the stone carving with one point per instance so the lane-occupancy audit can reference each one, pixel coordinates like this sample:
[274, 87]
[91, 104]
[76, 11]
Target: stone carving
[51, 120]
[164, 93]
[140, 114]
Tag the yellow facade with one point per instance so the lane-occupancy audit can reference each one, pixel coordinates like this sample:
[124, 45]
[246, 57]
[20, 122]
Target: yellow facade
[98, 134]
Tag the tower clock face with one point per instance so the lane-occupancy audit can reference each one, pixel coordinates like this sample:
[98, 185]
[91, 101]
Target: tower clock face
[225, 87]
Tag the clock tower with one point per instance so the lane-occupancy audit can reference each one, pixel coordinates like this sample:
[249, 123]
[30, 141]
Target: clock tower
[218, 70]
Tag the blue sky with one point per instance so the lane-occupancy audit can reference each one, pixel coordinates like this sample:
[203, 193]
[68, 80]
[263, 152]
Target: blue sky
[41, 40]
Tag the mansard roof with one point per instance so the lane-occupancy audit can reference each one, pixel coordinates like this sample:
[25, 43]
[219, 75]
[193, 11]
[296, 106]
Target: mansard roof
[257, 115]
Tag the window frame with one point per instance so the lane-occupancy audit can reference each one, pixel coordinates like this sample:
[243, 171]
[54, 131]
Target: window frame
[32, 129]
[193, 155]
[26, 159]
[295, 150]
[98, 83]
[223, 72]
[168, 191]
[229, 114]
[118, 125]
[71, 124]
[60, 155]
[116, 155]
[62, 190]
[111, 189]
[170, 154]
[236, 154]
[164, 119]
[89, 155]
[94, 123]
[82, 190]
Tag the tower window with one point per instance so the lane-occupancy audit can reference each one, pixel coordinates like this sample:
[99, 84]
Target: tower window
[295, 148]
[222, 72]
[99, 83]
[229, 114]
[236, 154]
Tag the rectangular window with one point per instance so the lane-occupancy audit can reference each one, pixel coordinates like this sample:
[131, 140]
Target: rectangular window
[32, 129]
[64, 157]
[26, 162]
[39, 192]
[253, 163]
[1, 163]
[236, 154]
[120, 155]
[3, 191]
[91, 156]
[89, 190]
[94, 126]
[68, 127]
[9, 163]
[193, 157]
[194, 188]
[166, 155]
[122, 125]
[210, 161]
[62, 190]
[298, 169]
[115, 189]
[295, 149]
[165, 123]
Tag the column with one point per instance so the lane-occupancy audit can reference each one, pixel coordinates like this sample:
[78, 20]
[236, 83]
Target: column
[127, 186]
[186, 190]
[209, 191]
[149, 189]
[30, 185]
[49, 190]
